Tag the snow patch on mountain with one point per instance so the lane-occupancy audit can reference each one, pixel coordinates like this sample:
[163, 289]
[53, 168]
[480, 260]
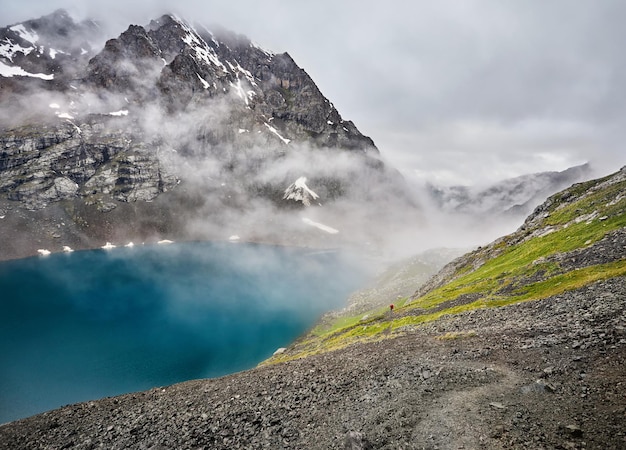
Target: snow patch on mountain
[300, 192]
[27, 35]
[8, 49]
[204, 82]
[320, 226]
[15, 71]
[275, 131]
[54, 52]
[203, 52]
[240, 91]
[237, 69]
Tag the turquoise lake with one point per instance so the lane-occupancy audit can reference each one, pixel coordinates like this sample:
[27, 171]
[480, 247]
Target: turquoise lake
[90, 324]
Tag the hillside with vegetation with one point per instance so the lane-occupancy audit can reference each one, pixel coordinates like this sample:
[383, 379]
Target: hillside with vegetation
[575, 238]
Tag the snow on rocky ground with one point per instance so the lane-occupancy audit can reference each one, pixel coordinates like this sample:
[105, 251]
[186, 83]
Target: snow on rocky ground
[12, 71]
[299, 191]
[320, 226]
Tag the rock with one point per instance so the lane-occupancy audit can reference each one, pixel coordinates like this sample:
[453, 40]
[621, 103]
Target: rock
[32, 163]
[542, 384]
[356, 441]
[574, 431]
[497, 405]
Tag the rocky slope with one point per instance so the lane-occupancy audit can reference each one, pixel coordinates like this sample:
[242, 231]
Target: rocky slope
[520, 344]
[166, 107]
[536, 375]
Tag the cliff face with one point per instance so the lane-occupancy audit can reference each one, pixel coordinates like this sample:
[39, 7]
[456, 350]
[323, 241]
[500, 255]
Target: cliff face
[43, 165]
[164, 105]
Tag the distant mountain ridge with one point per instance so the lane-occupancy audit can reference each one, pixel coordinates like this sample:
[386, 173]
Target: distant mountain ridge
[513, 196]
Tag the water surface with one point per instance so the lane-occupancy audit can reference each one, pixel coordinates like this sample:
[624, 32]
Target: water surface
[86, 325]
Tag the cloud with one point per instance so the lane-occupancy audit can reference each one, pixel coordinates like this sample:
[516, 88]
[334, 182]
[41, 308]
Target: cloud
[489, 151]
[405, 71]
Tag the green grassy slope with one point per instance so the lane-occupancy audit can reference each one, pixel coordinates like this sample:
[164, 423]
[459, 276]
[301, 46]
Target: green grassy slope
[575, 238]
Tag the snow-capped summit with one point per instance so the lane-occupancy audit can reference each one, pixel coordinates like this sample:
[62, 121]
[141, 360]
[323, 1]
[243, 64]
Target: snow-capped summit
[298, 191]
[50, 48]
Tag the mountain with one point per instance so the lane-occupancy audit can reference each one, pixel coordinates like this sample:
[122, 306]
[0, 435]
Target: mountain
[517, 344]
[45, 53]
[511, 197]
[168, 130]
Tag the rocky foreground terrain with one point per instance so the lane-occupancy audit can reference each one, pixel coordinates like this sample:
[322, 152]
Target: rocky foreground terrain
[544, 374]
[520, 344]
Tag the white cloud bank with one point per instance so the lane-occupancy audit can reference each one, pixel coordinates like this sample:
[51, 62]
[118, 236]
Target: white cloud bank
[461, 92]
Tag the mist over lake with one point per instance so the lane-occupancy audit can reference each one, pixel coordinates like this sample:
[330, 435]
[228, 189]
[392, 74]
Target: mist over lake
[90, 324]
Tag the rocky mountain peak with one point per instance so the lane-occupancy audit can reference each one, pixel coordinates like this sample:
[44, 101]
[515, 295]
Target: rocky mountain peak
[185, 66]
[51, 48]
[170, 110]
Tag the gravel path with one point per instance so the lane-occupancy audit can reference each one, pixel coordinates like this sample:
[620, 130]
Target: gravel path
[544, 374]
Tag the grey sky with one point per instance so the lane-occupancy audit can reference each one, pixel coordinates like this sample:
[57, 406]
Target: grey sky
[457, 91]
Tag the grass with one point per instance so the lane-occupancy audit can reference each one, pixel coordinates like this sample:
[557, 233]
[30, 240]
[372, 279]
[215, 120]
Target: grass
[520, 261]
[569, 281]
[348, 322]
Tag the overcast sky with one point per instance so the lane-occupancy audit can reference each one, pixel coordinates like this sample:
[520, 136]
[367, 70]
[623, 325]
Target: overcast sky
[455, 92]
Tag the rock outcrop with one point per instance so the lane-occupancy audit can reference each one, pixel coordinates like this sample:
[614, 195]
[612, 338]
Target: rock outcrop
[94, 162]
